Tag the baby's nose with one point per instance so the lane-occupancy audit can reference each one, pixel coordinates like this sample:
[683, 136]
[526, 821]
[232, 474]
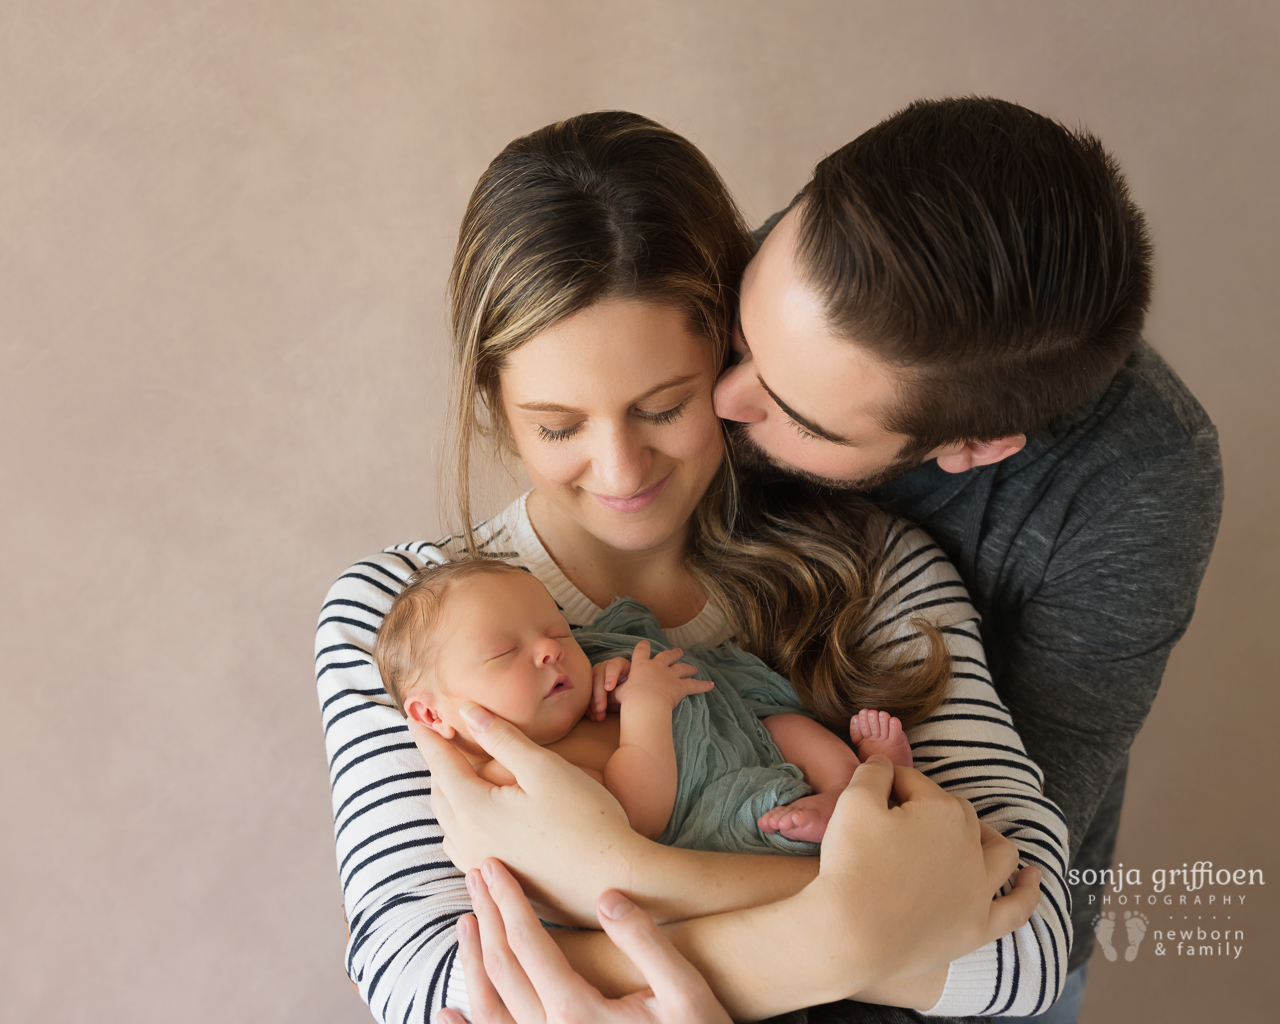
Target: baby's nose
[549, 652]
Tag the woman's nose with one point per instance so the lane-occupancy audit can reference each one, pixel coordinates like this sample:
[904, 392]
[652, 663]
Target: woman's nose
[623, 464]
[738, 395]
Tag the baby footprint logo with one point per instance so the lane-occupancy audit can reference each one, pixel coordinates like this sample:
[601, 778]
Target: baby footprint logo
[1135, 924]
[1104, 927]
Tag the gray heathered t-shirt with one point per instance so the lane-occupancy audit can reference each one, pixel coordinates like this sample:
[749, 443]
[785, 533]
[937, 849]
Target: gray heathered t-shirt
[1084, 553]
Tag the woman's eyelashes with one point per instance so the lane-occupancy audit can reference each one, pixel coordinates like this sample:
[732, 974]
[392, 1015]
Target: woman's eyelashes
[663, 417]
[565, 433]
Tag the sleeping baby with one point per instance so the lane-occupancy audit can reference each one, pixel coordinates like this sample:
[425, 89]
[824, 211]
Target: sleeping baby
[707, 751]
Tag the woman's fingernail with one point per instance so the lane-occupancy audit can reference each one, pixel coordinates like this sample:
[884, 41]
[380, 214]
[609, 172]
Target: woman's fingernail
[486, 869]
[461, 927]
[477, 717]
[471, 883]
[615, 906]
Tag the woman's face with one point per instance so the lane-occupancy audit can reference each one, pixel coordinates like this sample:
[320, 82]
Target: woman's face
[610, 409]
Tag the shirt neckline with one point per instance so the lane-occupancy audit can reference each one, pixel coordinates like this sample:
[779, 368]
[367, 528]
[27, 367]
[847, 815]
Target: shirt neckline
[707, 628]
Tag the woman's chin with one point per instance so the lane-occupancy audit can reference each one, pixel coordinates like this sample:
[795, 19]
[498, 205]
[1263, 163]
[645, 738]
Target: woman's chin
[639, 534]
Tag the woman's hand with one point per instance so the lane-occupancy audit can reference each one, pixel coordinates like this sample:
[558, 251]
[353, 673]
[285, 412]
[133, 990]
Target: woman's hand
[517, 975]
[563, 834]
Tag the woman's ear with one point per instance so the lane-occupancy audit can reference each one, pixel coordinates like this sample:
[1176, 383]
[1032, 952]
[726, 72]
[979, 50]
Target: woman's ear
[418, 708]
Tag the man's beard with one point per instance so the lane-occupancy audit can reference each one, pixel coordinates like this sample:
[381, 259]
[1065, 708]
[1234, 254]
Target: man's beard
[749, 456]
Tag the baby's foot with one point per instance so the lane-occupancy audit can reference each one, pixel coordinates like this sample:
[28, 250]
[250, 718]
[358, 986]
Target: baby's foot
[804, 819]
[878, 732]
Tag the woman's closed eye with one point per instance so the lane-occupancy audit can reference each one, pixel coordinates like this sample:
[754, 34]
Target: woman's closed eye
[562, 434]
[656, 418]
[663, 417]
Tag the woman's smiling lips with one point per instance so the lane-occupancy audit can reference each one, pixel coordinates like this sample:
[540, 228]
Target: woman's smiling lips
[636, 502]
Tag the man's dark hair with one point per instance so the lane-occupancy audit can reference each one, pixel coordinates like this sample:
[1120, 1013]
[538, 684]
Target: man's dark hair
[990, 254]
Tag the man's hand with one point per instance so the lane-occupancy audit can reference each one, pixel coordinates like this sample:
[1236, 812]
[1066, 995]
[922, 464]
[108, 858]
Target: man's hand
[931, 898]
[663, 676]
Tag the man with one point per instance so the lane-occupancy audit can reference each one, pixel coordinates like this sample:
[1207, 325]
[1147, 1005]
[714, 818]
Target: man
[948, 316]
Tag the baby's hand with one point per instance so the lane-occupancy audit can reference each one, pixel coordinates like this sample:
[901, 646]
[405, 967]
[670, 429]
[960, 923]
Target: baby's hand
[604, 677]
[663, 674]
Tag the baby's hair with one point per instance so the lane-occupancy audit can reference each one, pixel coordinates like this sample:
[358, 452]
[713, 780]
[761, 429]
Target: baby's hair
[406, 636]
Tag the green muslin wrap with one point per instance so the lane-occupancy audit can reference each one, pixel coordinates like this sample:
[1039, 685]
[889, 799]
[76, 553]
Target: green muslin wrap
[729, 770]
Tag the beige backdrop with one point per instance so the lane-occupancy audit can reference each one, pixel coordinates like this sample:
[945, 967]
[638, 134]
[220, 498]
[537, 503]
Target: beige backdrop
[224, 231]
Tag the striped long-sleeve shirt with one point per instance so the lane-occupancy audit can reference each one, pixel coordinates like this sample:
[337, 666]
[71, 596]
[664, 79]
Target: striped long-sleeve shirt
[402, 895]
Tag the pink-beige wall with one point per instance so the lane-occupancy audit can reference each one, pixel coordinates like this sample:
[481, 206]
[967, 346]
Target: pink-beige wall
[224, 232]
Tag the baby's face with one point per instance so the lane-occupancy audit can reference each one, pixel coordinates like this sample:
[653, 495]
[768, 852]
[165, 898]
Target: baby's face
[506, 646]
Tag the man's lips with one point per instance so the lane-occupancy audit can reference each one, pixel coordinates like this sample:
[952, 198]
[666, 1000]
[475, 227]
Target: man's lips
[636, 502]
[562, 685]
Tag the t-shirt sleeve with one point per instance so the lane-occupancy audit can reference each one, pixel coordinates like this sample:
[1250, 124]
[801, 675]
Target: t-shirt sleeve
[970, 747]
[401, 894]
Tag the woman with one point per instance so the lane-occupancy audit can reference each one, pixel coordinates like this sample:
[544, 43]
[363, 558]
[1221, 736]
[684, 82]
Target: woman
[592, 299]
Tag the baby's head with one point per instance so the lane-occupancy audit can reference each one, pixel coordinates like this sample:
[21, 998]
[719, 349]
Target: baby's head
[484, 631]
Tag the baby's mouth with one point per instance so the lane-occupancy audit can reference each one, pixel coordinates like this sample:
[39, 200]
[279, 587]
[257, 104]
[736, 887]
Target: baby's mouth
[562, 684]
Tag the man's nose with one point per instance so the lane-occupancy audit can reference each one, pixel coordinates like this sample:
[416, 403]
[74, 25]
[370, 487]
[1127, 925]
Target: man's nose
[738, 395]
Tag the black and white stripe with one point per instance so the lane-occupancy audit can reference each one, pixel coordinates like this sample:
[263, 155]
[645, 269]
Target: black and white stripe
[402, 895]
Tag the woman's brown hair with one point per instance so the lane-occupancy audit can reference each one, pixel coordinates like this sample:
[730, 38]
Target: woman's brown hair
[613, 205]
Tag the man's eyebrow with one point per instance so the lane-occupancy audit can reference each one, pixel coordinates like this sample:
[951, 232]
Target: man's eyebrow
[670, 382]
[808, 425]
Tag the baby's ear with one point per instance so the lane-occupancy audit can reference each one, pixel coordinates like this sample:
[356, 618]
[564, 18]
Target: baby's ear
[418, 708]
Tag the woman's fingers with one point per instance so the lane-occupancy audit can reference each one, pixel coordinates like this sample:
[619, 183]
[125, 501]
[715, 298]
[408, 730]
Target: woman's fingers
[682, 994]
[486, 1004]
[500, 964]
[557, 986]
[451, 773]
[506, 744]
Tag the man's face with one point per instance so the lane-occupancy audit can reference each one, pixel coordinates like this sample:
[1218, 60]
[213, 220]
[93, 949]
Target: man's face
[807, 402]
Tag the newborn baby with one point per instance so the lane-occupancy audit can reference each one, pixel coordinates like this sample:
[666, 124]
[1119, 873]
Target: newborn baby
[489, 632]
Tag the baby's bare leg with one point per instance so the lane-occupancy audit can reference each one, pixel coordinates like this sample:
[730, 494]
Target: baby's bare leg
[828, 765]
[878, 732]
